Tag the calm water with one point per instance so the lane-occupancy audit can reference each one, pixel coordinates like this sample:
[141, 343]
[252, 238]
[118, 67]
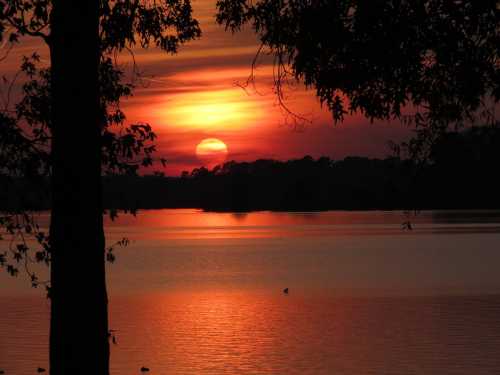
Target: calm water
[201, 293]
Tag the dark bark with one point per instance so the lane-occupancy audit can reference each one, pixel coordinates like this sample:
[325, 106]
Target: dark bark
[79, 325]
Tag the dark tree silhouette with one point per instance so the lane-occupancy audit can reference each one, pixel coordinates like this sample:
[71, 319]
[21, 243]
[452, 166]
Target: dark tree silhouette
[76, 170]
[459, 174]
[62, 128]
[438, 59]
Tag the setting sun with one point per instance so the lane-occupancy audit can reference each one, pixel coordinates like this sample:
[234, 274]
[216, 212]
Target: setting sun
[211, 151]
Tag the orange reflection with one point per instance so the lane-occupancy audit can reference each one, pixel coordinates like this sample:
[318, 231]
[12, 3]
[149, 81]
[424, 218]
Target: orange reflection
[197, 224]
[224, 332]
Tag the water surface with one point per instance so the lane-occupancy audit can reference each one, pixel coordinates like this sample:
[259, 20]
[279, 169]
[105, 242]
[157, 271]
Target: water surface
[201, 293]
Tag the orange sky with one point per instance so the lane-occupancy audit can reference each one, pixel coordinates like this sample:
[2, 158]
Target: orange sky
[196, 95]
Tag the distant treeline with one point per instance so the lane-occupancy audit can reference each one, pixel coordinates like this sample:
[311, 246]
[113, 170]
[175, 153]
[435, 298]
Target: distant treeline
[462, 172]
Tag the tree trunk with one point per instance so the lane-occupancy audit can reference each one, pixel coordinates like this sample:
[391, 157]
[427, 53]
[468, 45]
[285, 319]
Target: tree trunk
[79, 322]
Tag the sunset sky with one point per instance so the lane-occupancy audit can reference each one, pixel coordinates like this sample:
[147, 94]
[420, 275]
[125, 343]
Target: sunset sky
[196, 95]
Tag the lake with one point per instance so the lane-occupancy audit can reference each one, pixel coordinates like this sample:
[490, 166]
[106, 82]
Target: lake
[202, 293]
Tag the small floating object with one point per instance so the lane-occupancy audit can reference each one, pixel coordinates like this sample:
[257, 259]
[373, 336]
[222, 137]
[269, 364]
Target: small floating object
[285, 290]
[144, 369]
[111, 333]
[2, 372]
[407, 225]
[40, 369]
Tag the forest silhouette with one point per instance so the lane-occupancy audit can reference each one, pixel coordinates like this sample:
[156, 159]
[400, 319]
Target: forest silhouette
[459, 174]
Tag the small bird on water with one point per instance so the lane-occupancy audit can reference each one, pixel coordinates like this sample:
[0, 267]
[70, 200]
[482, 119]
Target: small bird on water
[40, 370]
[144, 369]
[285, 290]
